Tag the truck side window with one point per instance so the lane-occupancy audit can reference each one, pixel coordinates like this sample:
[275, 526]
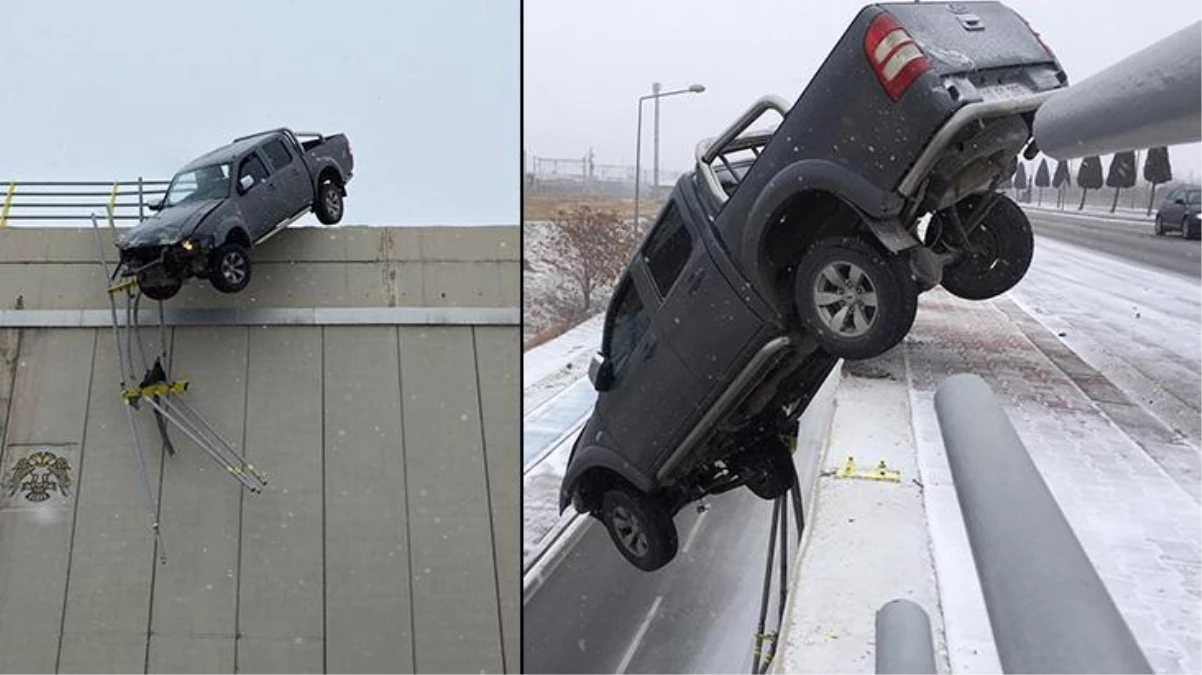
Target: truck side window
[668, 249]
[252, 166]
[630, 321]
[277, 153]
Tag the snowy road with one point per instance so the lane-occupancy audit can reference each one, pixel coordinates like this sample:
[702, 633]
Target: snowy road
[1132, 240]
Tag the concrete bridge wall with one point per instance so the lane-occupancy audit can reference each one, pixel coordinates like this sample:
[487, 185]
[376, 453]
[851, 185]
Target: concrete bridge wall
[386, 540]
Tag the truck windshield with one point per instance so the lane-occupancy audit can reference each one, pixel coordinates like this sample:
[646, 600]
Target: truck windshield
[206, 182]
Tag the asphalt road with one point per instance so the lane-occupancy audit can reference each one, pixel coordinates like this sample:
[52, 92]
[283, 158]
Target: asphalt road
[1126, 239]
[599, 614]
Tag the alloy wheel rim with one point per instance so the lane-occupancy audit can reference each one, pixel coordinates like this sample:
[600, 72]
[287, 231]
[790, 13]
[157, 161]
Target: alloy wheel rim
[333, 201]
[233, 267]
[630, 532]
[846, 299]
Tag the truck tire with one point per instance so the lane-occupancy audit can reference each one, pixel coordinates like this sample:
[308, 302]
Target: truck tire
[160, 291]
[229, 267]
[640, 526]
[857, 302]
[329, 205]
[1005, 245]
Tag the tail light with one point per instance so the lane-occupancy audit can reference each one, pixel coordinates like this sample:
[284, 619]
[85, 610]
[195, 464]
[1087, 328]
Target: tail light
[894, 55]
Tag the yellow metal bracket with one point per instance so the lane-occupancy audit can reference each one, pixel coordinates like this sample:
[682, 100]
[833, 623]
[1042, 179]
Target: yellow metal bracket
[881, 472]
[124, 285]
[132, 394]
[8, 202]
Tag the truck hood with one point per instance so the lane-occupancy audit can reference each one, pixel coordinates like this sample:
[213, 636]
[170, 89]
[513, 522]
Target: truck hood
[168, 226]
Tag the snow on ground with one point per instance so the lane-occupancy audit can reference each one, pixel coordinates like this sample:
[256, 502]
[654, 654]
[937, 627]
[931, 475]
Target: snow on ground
[554, 365]
[548, 370]
[1113, 433]
[1090, 211]
[853, 564]
[1140, 528]
[1139, 327]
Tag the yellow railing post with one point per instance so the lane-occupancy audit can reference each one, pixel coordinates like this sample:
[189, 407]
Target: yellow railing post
[8, 202]
[112, 203]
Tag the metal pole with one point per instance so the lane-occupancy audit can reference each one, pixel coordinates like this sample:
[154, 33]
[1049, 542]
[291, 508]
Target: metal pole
[655, 163]
[141, 200]
[1049, 610]
[903, 639]
[638, 149]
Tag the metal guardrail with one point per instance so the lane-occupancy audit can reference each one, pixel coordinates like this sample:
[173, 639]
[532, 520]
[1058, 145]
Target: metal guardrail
[1049, 609]
[65, 201]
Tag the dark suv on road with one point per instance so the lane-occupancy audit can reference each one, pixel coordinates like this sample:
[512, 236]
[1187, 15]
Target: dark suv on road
[786, 250]
[1179, 213]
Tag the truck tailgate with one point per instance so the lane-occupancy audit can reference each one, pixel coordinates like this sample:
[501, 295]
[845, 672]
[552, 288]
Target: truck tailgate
[960, 37]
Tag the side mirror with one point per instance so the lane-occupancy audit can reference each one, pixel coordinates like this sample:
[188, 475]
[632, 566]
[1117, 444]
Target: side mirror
[601, 373]
[246, 182]
[1179, 200]
[156, 205]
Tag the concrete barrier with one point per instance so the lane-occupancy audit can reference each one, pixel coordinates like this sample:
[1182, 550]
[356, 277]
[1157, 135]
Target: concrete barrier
[387, 538]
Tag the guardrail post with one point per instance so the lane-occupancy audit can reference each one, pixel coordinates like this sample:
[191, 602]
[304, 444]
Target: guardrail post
[903, 639]
[112, 205]
[8, 202]
[1049, 610]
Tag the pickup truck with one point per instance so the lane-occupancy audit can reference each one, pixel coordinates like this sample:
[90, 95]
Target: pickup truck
[224, 203]
[788, 249]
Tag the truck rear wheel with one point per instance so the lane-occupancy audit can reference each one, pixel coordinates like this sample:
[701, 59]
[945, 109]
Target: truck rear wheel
[857, 301]
[1002, 246]
[329, 202]
[640, 525]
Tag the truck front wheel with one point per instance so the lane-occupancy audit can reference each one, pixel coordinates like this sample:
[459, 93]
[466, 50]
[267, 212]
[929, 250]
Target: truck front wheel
[640, 525]
[856, 301]
[229, 268]
[329, 202]
[999, 251]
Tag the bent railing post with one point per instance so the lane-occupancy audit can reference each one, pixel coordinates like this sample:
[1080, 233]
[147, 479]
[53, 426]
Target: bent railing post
[903, 639]
[1049, 610]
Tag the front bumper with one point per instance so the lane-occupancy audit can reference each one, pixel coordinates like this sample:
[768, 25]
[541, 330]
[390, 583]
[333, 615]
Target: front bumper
[165, 262]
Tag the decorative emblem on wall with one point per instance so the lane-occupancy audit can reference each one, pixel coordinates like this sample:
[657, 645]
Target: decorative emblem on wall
[39, 475]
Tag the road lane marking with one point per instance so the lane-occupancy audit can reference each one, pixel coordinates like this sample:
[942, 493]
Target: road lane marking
[693, 533]
[638, 636]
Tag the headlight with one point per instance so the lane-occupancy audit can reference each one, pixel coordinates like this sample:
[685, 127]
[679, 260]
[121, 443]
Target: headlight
[188, 245]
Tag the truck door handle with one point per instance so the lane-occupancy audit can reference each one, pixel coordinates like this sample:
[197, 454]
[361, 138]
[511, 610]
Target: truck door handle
[695, 280]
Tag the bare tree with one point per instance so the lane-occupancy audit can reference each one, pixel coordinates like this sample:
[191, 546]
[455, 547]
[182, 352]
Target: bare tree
[590, 247]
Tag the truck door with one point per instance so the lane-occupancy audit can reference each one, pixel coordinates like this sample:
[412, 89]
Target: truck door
[651, 397]
[705, 321]
[291, 180]
[255, 201]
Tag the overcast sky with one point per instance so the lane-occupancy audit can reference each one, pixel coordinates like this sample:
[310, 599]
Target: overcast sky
[427, 92]
[586, 63]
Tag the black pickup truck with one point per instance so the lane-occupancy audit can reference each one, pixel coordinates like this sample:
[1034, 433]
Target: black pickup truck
[789, 249]
[231, 199]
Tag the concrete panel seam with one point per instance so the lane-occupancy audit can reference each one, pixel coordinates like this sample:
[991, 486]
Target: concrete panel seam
[262, 316]
[79, 474]
[400, 385]
[492, 528]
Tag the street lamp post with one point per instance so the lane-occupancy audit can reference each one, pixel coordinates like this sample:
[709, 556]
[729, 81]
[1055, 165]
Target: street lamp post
[638, 145]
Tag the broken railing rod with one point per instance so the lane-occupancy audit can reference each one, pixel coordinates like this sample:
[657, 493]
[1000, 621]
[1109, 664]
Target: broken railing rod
[767, 644]
[1049, 610]
[144, 486]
